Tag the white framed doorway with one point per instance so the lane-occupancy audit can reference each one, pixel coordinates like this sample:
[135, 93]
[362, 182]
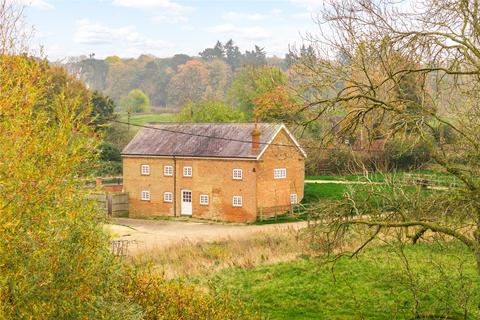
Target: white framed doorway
[186, 208]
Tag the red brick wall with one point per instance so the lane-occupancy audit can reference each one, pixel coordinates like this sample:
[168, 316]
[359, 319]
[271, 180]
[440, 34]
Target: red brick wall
[276, 192]
[214, 178]
[209, 176]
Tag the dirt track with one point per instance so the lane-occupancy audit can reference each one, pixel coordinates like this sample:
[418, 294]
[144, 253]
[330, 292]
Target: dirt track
[150, 234]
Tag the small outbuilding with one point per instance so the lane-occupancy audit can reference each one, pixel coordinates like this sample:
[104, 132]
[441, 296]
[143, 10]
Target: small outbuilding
[222, 171]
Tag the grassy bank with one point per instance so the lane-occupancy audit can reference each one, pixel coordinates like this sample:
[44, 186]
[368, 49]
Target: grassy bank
[374, 286]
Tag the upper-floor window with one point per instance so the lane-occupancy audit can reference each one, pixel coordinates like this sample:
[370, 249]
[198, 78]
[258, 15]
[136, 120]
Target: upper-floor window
[167, 197]
[237, 201]
[145, 169]
[293, 198]
[237, 174]
[204, 199]
[280, 173]
[145, 195]
[187, 171]
[167, 170]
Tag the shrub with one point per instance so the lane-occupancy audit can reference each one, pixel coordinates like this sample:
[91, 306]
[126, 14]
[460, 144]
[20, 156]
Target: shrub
[341, 160]
[169, 299]
[407, 155]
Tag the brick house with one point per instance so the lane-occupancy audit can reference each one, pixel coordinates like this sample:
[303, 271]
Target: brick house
[228, 171]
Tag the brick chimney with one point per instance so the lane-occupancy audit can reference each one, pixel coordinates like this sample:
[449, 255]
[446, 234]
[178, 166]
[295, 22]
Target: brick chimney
[255, 138]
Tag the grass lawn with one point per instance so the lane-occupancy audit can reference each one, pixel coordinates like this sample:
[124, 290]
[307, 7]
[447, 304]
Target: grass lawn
[315, 192]
[141, 119]
[439, 177]
[372, 286]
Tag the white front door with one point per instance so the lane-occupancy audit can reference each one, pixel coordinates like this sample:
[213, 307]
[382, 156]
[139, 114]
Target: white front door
[187, 202]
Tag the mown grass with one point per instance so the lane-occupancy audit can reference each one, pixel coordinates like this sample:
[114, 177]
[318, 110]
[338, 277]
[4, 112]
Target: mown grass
[375, 285]
[144, 118]
[440, 178]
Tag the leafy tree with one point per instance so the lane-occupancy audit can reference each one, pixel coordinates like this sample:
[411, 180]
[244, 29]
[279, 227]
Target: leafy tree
[136, 101]
[178, 60]
[102, 109]
[251, 82]
[188, 84]
[218, 79]
[233, 55]
[210, 111]
[154, 79]
[217, 52]
[55, 259]
[277, 104]
[436, 45]
[256, 57]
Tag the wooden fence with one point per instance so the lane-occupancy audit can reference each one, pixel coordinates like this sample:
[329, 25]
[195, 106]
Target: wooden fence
[113, 204]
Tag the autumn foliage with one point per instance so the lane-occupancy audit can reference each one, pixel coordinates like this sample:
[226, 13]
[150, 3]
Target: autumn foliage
[54, 256]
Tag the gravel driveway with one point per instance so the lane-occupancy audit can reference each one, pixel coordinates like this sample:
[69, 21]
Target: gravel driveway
[150, 234]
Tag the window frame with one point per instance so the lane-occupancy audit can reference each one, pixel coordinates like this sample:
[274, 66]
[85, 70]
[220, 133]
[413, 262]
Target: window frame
[204, 203]
[237, 204]
[146, 172]
[165, 167]
[165, 197]
[293, 196]
[277, 173]
[145, 195]
[241, 174]
[191, 171]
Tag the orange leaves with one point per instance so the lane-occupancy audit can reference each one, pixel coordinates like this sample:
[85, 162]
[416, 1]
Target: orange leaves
[276, 104]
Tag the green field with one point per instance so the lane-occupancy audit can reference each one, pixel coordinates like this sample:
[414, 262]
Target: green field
[372, 286]
[142, 119]
[435, 177]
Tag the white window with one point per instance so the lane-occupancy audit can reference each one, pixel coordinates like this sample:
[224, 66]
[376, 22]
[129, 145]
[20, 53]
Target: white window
[293, 198]
[280, 173]
[237, 174]
[167, 197]
[187, 171]
[167, 170]
[237, 201]
[146, 195]
[145, 169]
[204, 199]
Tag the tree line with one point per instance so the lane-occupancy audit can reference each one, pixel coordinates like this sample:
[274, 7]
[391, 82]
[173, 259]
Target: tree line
[165, 80]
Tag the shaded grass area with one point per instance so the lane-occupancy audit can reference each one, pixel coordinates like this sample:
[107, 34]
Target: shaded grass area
[374, 286]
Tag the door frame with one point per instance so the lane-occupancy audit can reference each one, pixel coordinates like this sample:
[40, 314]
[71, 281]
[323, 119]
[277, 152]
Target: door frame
[182, 212]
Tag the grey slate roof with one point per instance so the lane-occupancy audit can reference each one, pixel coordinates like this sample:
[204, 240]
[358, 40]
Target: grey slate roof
[176, 139]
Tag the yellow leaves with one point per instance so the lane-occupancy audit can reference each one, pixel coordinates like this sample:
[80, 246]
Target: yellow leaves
[275, 104]
[163, 299]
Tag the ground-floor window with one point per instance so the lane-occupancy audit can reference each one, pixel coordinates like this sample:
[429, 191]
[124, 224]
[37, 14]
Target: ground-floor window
[145, 195]
[167, 197]
[204, 199]
[237, 201]
[293, 198]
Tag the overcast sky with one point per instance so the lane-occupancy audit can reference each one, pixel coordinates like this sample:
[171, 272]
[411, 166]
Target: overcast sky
[128, 28]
